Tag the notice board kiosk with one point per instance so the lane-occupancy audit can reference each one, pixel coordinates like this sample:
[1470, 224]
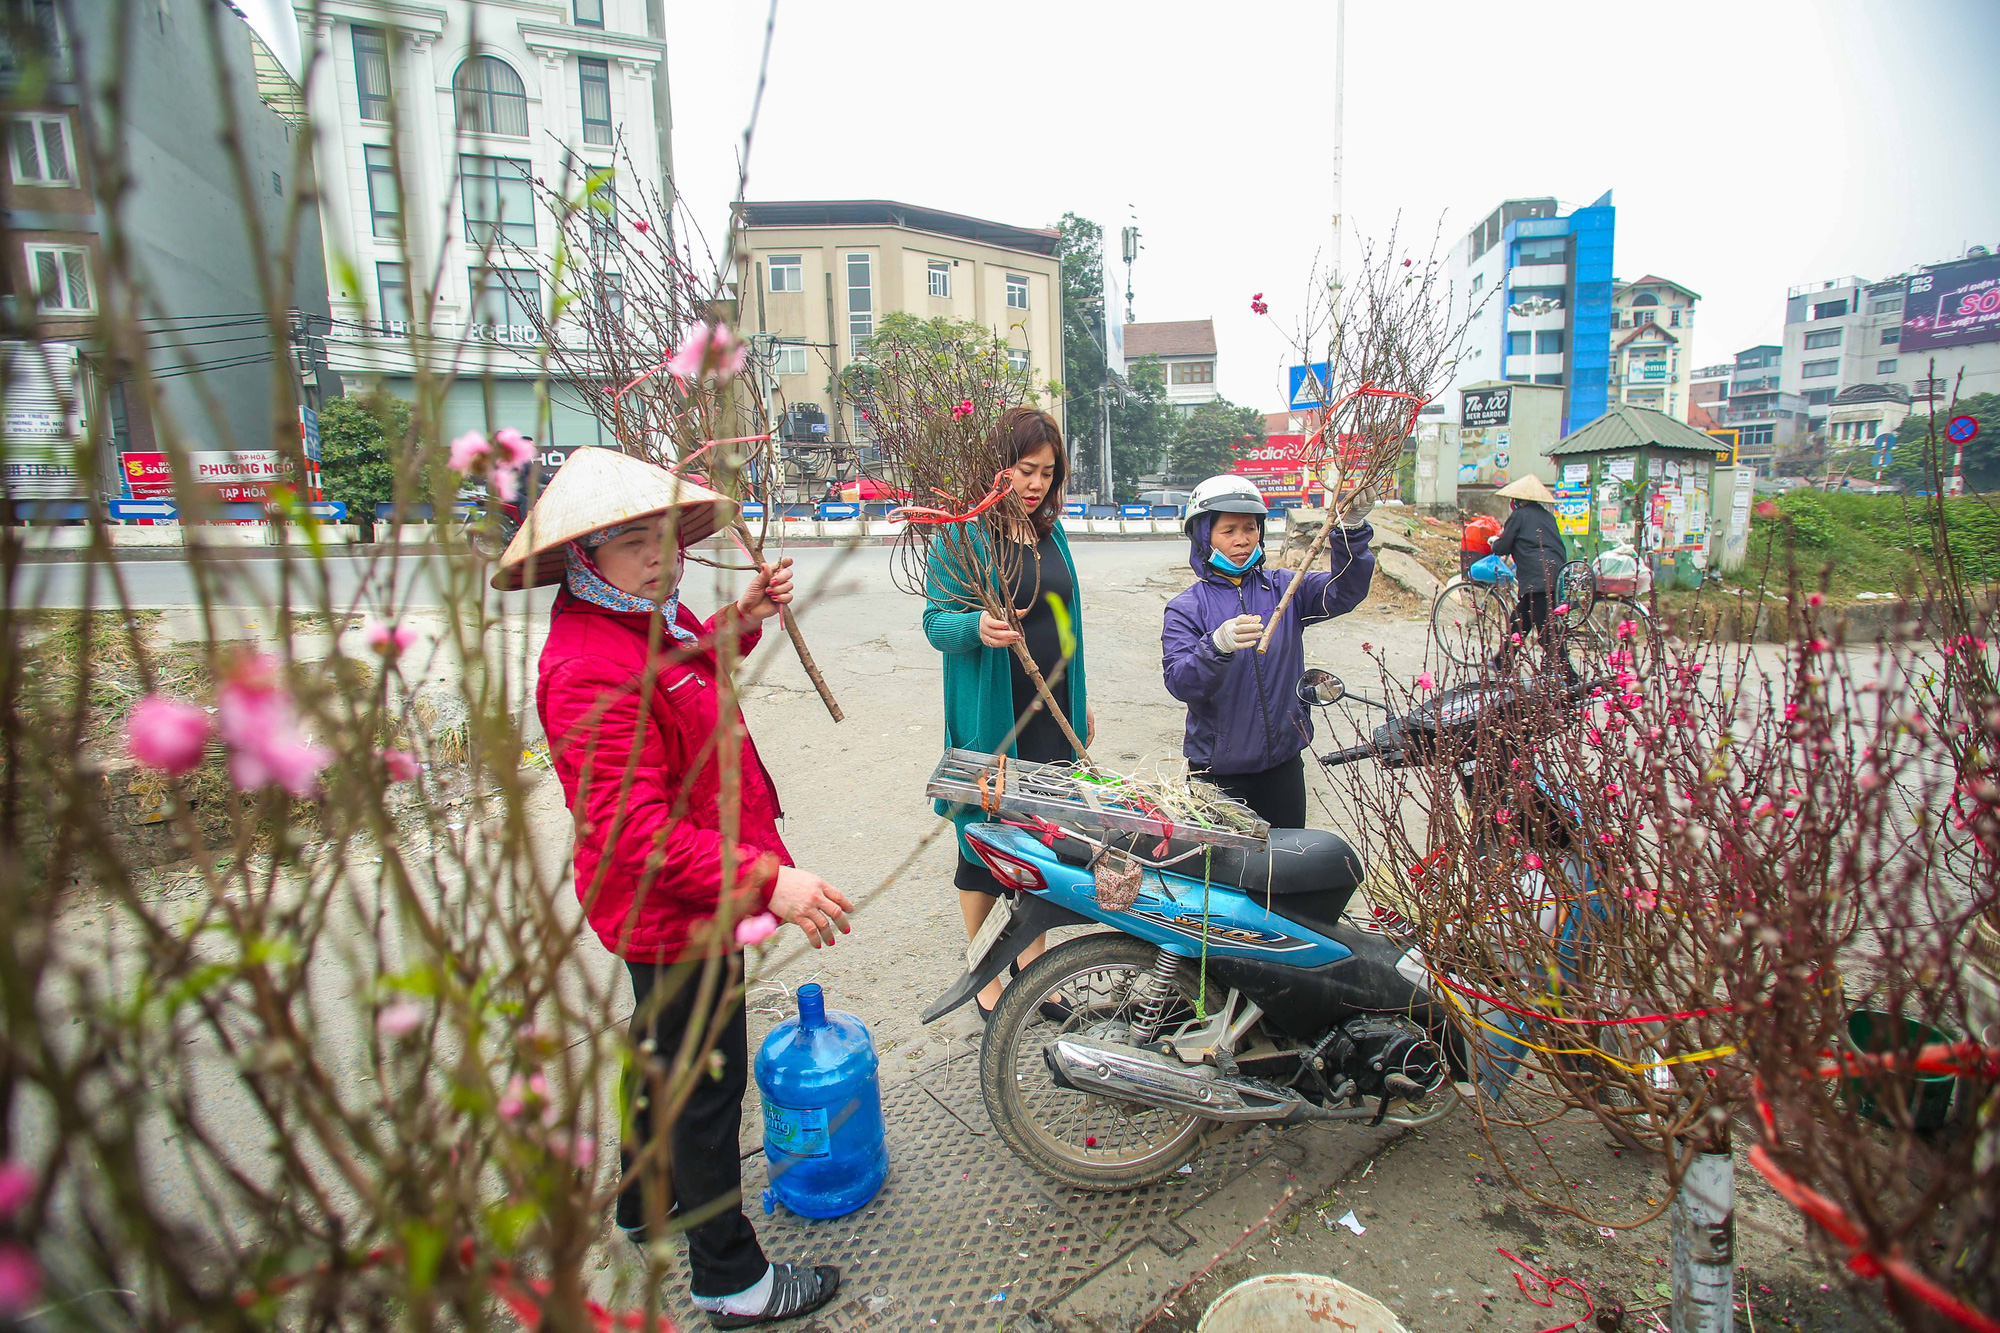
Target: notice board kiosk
[1639, 476]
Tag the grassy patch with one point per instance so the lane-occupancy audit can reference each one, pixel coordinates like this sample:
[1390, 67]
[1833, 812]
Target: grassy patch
[1867, 543]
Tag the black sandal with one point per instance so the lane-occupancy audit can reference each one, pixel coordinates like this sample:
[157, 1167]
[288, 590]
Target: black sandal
[795, 1291]
[1057, 1011]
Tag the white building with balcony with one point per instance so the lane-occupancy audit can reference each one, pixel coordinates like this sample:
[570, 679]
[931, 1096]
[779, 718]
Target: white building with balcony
[1838, 333]
[441, 119]
[1652, 344]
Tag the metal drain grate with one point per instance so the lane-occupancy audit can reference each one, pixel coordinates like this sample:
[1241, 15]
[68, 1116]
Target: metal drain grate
[964, 1235]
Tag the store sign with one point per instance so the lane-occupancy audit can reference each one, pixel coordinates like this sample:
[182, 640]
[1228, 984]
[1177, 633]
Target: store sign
[1479, 408]
[1952, 304]
[226, 476]
[42, 423]
[1278, 454]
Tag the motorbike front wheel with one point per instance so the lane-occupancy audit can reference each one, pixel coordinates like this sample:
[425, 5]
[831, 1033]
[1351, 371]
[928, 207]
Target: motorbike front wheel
[1082, 1139]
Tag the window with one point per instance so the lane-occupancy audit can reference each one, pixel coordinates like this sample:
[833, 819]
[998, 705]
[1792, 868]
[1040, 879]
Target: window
[1520, 344]
[371, 72]
[1819, 397]
[940, 279]
[596, 76]
[607, 291]
[1886, 367]
[603, 206]
[1930, 388]
[506, 298]
[1887, 305]
[788, 359]
[1645, 298]
[1674, 317]
[1549, 342]
[1193, 372]
[61, 278]
[1642, 317]
[1829, 310]
[1892, 334]
[1017, 360]
[41, 151]
[491, 98]
[37, 19]
[499, 202]
[860, 304]
[1824, 338]
[589, 13]
[787, 274]
[1549, 379]
[1549, 250]
[1478, 281]
[392, 284]
[1017, 292]
[1757, 435]
[384, 208]
[1819, 370]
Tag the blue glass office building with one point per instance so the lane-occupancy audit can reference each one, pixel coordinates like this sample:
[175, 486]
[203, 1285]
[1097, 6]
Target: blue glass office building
[1582, 243]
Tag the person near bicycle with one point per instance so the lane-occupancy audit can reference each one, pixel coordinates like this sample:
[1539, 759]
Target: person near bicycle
[1534, 542]
[1245, 725]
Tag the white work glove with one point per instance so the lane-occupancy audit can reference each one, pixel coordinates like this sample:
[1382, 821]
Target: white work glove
[1242, 632]
[1358, 506]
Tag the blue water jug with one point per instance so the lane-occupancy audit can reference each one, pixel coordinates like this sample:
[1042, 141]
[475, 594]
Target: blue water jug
[822, 1112]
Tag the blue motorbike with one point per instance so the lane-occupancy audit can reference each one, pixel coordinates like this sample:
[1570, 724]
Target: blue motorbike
[1235, 988]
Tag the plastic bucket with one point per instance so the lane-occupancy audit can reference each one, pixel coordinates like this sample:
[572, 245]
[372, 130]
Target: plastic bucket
[1308, 1302]
[1927, 1095]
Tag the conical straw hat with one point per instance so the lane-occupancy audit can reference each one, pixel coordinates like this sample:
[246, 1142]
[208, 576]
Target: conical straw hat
[597, 488]
[1529, 487]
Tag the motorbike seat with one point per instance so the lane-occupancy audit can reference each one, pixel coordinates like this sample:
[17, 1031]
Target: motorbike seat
[1307, 876]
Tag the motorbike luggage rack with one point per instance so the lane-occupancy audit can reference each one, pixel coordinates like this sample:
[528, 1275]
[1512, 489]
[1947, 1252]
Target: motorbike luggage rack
[967, 776]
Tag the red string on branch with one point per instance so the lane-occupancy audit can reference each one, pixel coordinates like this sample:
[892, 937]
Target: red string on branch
[1891, 1267]
[1552, 1285]
[1956, 1057]
[919, 514]
[1499, 1003]
[1315, 448]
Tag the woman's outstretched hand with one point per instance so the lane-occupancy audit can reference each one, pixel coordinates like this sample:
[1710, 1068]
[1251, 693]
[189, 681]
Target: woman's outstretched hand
[994, 632]
[770, 589]
[811, 904]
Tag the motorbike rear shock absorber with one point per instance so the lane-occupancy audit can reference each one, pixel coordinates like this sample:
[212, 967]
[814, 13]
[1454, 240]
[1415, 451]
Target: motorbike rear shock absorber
[1150, 994]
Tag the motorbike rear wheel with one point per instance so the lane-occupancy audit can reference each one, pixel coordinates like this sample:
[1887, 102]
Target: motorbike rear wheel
[1086, 1141]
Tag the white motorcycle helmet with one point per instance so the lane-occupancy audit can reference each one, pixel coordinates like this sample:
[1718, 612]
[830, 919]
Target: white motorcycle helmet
[1224, 495]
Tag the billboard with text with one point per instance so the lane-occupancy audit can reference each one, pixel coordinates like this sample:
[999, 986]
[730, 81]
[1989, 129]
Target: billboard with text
[1952, 304]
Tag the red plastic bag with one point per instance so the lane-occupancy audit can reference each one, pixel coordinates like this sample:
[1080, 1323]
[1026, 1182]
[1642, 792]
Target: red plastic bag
[1479, 534]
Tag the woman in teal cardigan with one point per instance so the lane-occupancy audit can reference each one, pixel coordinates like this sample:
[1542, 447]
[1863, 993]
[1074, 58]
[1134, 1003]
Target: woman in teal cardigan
[985, 689]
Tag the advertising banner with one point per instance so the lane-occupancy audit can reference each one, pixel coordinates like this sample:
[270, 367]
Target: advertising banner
[1573, 510]
[1485, 407]
[233, 477]
[1952, 304]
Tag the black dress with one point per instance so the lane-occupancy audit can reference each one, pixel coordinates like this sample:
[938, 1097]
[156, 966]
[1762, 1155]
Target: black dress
[1041, 573]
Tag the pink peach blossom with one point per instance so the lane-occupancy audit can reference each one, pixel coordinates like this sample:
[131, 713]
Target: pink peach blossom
[507, 481]
[641, 226]
[1814, 600]
[755, 929]
[167, 734]
[20, 1279]
[469, 452]
[1532, 861]
[1426, 681]
[388, 638]
[400, 1019]
[402, 765]
[710, 352]
[516, 449]
[17, 1186]
[256, 720]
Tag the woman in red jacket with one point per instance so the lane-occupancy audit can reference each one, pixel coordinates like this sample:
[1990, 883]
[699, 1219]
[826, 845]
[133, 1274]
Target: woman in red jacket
[632, 710]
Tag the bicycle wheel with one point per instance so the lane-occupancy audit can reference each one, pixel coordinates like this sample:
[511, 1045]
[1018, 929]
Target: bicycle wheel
[1619, 622]
[1466, 620]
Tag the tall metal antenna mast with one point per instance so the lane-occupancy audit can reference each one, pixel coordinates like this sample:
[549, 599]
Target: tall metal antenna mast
[1339, 165]
[1129, 243]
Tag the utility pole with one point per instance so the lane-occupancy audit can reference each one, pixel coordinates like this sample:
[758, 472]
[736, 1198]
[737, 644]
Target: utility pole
[1129, 243]
[1106, 493]
[1339, 122]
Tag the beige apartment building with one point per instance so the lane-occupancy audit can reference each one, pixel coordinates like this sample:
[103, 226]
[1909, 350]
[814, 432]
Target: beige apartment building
[1652, 345]
[821, 274]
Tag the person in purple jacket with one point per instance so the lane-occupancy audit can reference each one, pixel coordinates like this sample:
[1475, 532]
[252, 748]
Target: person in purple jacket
[1245, 724]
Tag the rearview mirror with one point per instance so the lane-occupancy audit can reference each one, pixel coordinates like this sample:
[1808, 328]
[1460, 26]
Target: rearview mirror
[1317, 687]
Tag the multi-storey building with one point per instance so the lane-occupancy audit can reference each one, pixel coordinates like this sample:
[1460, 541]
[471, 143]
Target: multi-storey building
[1534, 286]
[1764, 416]
[1838, 333]
[822, 273]
[1708, 395]
[1652, 344]
[1185, 349]
[438, 120]
[186, 226]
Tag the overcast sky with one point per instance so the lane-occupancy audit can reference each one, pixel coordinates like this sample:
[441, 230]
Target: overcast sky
[1749, 144]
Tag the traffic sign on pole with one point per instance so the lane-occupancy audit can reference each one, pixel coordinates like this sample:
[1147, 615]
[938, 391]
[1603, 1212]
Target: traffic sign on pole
[1963, 430]
[153, 509]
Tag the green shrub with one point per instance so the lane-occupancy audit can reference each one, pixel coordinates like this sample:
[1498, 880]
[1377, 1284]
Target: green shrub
[1807, 514]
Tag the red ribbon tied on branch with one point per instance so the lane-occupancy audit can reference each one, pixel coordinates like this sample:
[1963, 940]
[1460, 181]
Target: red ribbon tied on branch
[1315, 449]
[919, 514]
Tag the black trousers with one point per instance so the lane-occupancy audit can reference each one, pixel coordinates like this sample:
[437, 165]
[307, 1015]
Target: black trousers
[1278, 795]
[707, 1170]
[1535, 611]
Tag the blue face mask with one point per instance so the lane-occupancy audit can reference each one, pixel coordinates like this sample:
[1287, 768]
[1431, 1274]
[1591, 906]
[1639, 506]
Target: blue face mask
[1228, 566]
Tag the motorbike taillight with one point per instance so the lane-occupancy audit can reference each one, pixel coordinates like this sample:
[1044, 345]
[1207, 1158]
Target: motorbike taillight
[1009, 870]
